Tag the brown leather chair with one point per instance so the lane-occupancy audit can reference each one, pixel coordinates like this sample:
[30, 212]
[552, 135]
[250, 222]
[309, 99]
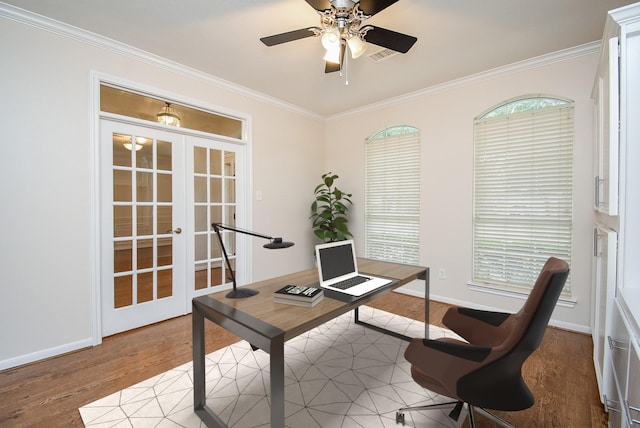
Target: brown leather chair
[485, 371]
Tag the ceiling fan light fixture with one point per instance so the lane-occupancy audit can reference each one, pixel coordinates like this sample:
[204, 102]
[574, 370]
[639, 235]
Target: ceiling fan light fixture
[167, 116]
[357, 46]
[333, 55]
[331, 39]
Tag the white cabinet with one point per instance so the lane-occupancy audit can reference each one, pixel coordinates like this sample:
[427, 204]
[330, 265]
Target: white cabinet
[616, 262]
[605, 95]
[629, 231]
[604, 278]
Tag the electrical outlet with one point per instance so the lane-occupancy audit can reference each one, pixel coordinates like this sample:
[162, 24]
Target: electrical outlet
[442, 273]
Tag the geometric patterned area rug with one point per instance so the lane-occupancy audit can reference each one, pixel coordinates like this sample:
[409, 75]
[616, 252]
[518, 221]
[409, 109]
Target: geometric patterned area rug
[338, 375]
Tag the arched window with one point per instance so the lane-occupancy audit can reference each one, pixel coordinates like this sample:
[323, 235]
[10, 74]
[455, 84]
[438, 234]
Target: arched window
[392, 195]
[523, 190]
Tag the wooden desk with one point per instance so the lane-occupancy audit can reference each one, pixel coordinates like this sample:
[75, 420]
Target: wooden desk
[267, 325]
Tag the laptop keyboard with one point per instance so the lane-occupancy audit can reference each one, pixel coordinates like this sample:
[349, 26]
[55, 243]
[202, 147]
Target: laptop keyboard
[348, 283]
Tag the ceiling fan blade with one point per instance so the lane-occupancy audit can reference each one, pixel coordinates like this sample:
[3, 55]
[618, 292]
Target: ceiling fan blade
[289, 36]
[389, 39]
[320, 4]
[371, 7]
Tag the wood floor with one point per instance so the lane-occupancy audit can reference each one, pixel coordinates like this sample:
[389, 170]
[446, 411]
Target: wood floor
[49, 393]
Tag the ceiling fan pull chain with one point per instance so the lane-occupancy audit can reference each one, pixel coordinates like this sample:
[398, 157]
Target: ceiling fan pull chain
[346, 68]
[345, 65]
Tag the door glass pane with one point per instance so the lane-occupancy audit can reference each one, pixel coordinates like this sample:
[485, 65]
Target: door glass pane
[200, 276]
[164, 219]
[200, 160]
[230, 190]
[215, 161]
[200, 248]
[165, 283]
[122, 221]
[230, 215]
[145, 287]
[122, 256]
[216, 214]
[229, 164]
[121, 155]
[144, 152]
[122, 291]
[200, 189]
[200, 219]
[165, 251]
[164, 188]
[215, 190]
[144, 186]
[121, 186]
[216, 273]
[144, 215]
[145, 254]
[164, 156]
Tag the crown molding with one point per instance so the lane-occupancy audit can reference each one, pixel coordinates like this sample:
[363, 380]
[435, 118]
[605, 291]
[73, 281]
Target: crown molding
[540, 61]
[51, 25]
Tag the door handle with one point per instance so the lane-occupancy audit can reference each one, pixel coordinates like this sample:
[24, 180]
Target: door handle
[177, 231]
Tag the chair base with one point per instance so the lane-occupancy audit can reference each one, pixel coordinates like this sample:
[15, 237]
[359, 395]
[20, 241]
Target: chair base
[455, 413]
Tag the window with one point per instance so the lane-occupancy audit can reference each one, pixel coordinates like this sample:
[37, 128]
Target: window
[129, 103]
[523, 190]
[392, 195]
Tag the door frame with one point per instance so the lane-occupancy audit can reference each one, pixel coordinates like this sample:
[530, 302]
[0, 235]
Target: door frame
[95, 116]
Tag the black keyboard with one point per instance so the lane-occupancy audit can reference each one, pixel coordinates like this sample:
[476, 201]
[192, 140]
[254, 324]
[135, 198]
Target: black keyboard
[348, 283]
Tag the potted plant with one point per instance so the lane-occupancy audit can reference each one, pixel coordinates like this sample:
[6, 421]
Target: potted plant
[329, 210]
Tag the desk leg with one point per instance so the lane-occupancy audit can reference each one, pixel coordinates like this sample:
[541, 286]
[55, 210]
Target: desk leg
[276, 356]
[356, 318]
[197, 328]
[200, 408]
[426, 305]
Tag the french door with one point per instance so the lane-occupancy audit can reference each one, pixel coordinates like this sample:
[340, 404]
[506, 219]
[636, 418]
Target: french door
[160, 192]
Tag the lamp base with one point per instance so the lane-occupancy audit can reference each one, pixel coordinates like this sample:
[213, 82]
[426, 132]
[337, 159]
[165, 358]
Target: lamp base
[240, 293]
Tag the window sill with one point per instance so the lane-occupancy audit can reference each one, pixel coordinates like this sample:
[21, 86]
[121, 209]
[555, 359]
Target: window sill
[565, 301]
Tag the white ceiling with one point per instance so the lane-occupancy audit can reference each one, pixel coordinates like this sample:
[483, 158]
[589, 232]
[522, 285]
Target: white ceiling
[456, 38]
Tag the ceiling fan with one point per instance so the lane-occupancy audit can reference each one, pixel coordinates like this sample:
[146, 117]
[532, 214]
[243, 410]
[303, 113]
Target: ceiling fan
[341, 29]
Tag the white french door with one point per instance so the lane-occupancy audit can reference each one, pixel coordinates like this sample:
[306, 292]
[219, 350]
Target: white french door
[160, 191]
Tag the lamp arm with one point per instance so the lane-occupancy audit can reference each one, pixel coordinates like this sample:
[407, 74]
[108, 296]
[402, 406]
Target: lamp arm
[217, 226]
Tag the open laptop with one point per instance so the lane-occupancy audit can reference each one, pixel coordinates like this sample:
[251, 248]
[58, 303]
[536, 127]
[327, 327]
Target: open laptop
[338, 270]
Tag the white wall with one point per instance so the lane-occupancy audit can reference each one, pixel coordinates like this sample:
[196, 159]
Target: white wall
[47, 243]
[445, 116]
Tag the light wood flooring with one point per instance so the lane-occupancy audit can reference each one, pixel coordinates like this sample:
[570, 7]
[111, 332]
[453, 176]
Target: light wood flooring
[49, 393]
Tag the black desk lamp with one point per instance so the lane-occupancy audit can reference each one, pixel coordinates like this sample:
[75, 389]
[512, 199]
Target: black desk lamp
[274, 243]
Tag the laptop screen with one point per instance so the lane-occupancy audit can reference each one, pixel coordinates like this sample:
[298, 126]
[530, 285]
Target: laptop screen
[336, 261]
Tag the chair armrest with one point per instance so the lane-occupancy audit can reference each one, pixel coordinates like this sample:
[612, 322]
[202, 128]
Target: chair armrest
[489, 317]
[459, 349]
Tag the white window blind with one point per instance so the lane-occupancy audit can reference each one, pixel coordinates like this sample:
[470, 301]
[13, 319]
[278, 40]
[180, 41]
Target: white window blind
[523, 186]
[392, 195]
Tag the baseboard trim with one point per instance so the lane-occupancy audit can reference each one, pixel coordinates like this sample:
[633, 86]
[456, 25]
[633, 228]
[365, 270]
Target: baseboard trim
[33, 357]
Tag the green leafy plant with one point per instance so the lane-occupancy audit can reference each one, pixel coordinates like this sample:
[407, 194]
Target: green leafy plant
[329, 210]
